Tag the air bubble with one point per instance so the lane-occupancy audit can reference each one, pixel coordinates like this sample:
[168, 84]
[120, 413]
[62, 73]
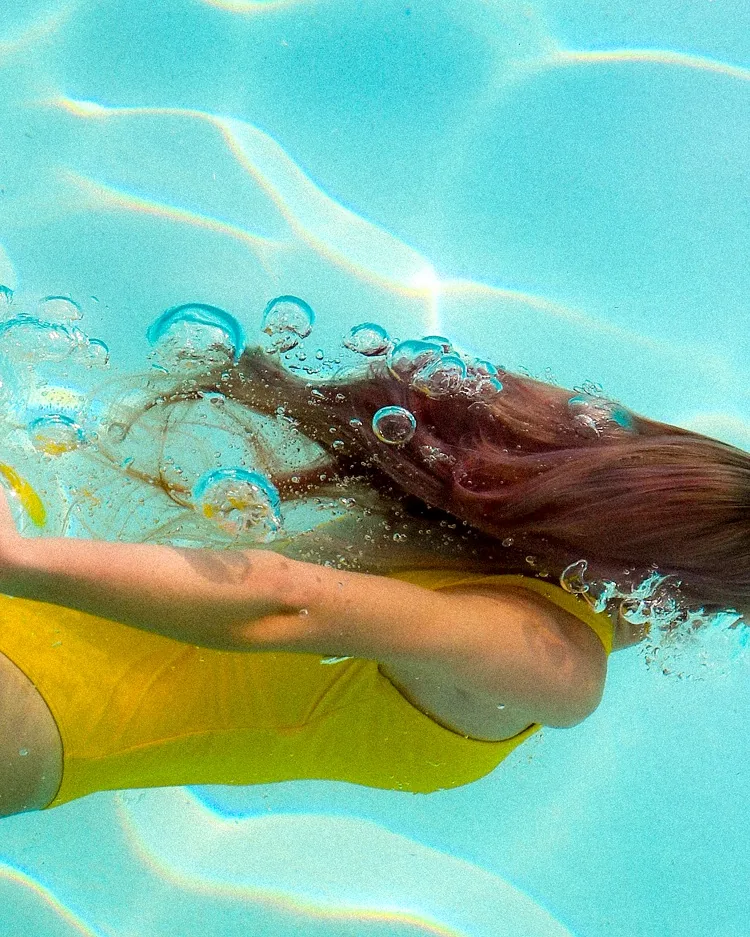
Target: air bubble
[368, 338]
[572, 578]
[55, 434]
[406, 358]
[287, 319]
[25, 338]
[117, 431]
[481, 380]
[59, 309]
[91, 352]
[434, 456]
[394, 425]
[195, 335]
[445, 343]
[239, 502]
[440, 376]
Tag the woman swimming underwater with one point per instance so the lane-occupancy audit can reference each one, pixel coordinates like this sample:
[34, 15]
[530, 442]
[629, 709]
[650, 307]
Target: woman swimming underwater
[443, 642]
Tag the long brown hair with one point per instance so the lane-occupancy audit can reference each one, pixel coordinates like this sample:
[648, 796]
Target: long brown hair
[526, 483]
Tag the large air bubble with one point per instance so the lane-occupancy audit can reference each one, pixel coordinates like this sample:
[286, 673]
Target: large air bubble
[287, 319]
[195, 336]
[54, 416]
[26, 339]
[440, 376]
[410, 356]
[59, 309]
[239, 502]
[368, 338]
[56, 434]
[394, 425]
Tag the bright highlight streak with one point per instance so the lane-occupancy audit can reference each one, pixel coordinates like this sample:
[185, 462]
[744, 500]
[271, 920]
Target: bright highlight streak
[553, 309]
[284, 861]
[334, 231]
[17, 877]
[659, 56]
[112, 197]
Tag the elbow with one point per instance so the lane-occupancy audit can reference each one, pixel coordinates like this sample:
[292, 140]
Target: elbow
[581, 693]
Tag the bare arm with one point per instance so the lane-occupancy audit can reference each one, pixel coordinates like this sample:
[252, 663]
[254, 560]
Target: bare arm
[497, 648]
[500, 645]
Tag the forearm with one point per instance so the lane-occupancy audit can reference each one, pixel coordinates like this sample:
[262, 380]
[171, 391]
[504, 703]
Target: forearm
[204, 597]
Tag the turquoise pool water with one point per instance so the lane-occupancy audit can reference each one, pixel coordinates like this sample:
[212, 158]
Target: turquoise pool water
[561, 186]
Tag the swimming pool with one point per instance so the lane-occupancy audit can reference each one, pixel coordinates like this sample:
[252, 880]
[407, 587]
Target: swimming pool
[556, 185]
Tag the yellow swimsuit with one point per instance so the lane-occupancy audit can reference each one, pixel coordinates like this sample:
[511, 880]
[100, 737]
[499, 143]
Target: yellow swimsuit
[140, 710]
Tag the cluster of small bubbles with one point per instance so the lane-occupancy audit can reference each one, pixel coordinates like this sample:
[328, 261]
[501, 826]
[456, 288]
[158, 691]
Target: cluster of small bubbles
[394, 425]
[215, 399]
[287, 320]
[669, 630]
[51, 335]
[434, 456]
[239, 502]
[55, 434]
[590, 389]
[481, 380]
[368, 338]
[194, 336]
[595, 415]
[507, 542]
[546, 376]
[399, 538]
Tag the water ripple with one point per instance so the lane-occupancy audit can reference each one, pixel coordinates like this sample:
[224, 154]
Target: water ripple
[327, 867]
[75, 926]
